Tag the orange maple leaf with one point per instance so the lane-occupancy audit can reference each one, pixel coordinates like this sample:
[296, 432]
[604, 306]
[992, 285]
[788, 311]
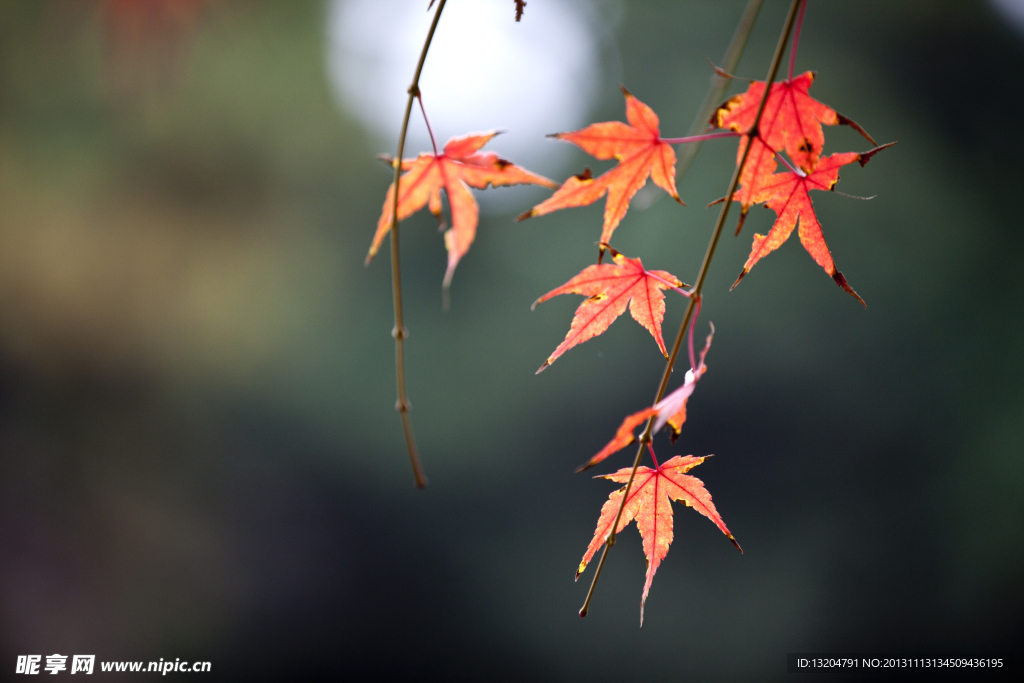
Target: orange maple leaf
[650, 504]
[458, 167]
[610, 287]
[641, 153]
[787, 194]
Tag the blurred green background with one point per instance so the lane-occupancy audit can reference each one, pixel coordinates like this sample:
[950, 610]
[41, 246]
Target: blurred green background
[199, 456]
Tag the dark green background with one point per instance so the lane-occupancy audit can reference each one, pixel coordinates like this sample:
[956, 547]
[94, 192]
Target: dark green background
[199, 456]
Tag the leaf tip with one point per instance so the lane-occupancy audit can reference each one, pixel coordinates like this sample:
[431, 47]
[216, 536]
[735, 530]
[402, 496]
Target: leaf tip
[743, 274]
[603, 246]
[840, 280]
[743, 218]
[864, 157]
[844, 121]
[624, 91]
[543, 367]
[526, 214]
[735, 543]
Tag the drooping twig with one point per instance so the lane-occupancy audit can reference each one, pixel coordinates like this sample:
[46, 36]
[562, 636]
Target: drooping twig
[697, 288]
[399, 332]
[718, 84]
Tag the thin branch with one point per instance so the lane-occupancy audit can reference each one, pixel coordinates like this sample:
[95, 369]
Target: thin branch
[796, 40]
[718, 84]
[702, 137]
[399, 332]
[697, 288]
[430, 131]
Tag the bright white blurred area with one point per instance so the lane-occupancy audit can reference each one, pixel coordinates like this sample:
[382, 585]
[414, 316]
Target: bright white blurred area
[484, 71]
[1013, 10]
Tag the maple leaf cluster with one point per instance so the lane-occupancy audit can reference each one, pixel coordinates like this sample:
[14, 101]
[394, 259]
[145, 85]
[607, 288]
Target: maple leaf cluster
[792, 121]
[788, 124]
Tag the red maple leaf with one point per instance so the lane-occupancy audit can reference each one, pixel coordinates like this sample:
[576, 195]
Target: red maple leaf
[787, 194]
[641, 153]
[610, 287]
[457, 168]
[791, 121]
[650, 504]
